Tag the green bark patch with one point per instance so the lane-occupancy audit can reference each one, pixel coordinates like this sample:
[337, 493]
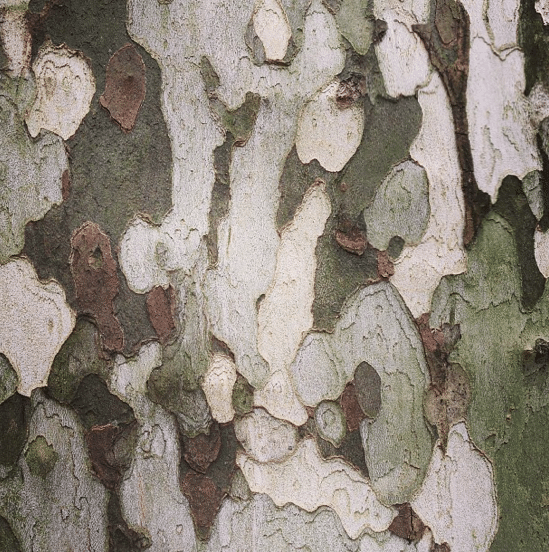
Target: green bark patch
[390, 128]
[513, 206]
[77, 358]
[14, 428]
[8, 540]
[113, 174]
[96, 406]
[533, 38]
[41, 457]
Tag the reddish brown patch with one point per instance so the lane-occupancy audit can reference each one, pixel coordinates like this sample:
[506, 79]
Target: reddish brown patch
[448, 395]
[108, 447]
[407, 524]
[444, 547]
[351, 408]
[125, 86]
[65, 185]
[204, 499]
[352, 239]
[161, 310]
[96, 281]
[202, 450]
[385, 267]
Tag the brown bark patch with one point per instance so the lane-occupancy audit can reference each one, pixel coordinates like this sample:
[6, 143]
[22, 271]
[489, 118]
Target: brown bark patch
[202, 450]
[446, 38]
[351, 238]
[125, 86]
[350, 90]
[204, 498]
[161, 310]
[109, 447]
[385, 267]
[407, 524]
[448, 396]
[65, 185]
[96, 282]
[349, 403]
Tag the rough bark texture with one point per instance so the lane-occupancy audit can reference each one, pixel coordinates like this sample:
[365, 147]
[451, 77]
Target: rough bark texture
[273, 275]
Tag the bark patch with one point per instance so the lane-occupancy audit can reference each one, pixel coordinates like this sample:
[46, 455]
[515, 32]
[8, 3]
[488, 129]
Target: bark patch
[407, 524]
[110, 449]
[161, 310]
[351, 407]
[446, 38]
[96, 281]
[125, 86]
[202, 450]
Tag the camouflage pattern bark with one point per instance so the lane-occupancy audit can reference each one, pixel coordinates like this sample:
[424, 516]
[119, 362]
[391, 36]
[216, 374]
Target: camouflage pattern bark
[273, 275]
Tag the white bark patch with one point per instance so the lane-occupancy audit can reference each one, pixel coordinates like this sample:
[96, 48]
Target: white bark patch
[285, 312]
[388, 542]
[218, 385]
[272, 27]
[403, 59]
[265, 438]
[541, 251]
[419, 268]
[458, 498]
[178, 35]
[502, 136]
[67, 510]
[16, 41]
[501, 23]
[65, 87]
[308, 481]
[376, 328]
[149, 495]
[327, 132]
[30, 177]
[542, 7]
[330, 421]
[407, 11]
[35, 321]
[129, 377]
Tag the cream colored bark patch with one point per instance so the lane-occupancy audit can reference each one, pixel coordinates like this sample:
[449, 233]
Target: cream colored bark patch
[285, 312]
[403, 59]
[265, 438]
[327, 132]
[441, 250]
[35, 320]
[541, 252]
[502, 138]
[272, 27]
[218, 387]
[542, 7]
[30, 177]
[65, 87]
[308, 481]
[458, 497]
[16, 40]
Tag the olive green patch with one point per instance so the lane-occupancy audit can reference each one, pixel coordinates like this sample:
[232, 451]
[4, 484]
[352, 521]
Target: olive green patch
[8, 379]
[77, 358]
[114, 174]
[40, 457]
[14, 428]
[243, 396]
[8, 540]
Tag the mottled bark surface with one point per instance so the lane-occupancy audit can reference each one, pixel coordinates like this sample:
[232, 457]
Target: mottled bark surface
[273, 275]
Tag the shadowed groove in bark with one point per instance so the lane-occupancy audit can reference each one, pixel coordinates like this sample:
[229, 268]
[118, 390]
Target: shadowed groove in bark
[447, 40]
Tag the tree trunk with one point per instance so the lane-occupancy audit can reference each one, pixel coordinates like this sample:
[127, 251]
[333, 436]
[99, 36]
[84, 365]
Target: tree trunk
[272, 275]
